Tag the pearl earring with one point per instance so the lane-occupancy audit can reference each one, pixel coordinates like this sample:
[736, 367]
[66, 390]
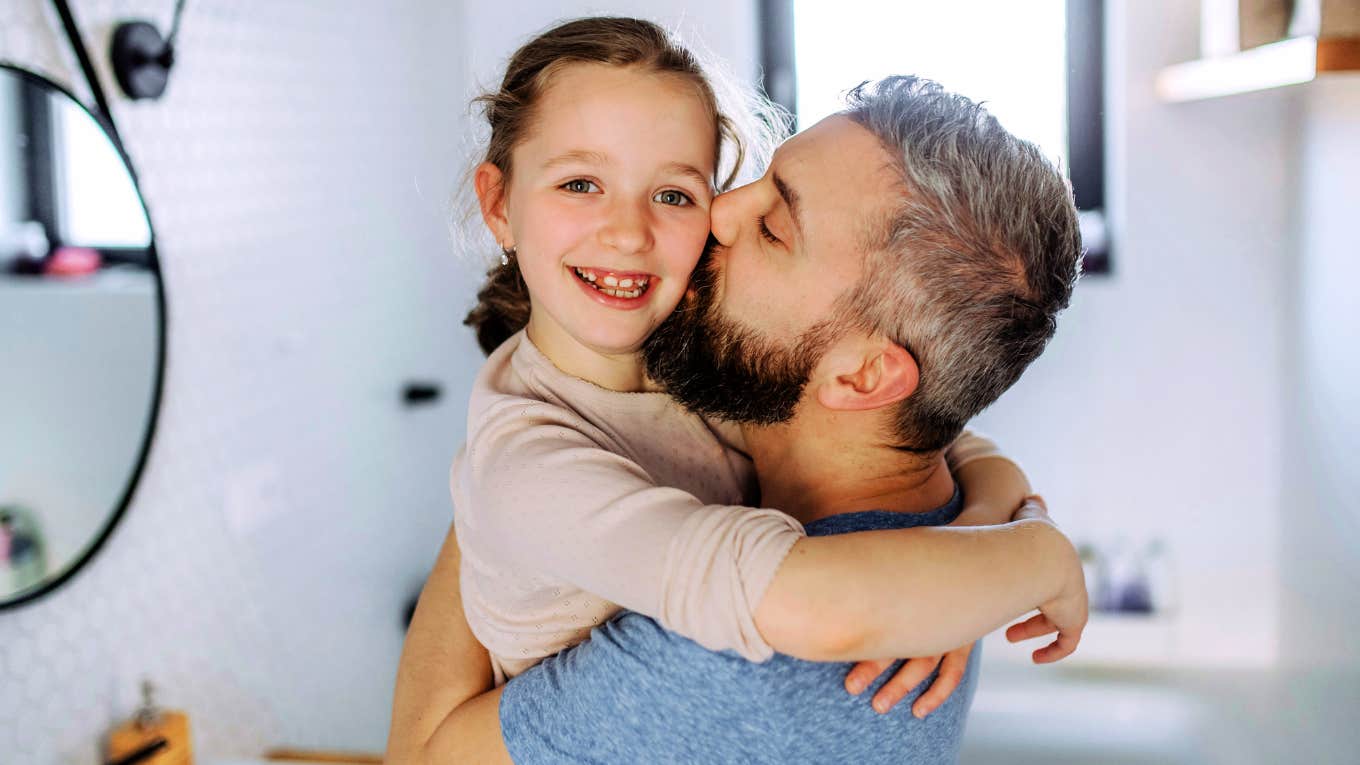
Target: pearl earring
[506, 254]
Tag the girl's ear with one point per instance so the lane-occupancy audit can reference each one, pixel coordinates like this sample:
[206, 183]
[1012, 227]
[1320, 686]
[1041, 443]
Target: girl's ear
[489, 182]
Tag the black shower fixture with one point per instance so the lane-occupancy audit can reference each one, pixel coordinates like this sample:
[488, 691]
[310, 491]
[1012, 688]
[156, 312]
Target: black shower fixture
[142, 58]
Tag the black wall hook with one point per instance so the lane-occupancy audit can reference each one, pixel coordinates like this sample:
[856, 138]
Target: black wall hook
[417, 392]
[142, 59]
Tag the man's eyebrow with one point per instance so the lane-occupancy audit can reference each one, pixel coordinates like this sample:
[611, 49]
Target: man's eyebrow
[689, 171]
[791, 199]
[577, 156]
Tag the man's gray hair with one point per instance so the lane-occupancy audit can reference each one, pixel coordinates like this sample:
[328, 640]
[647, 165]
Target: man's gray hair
[975, 260]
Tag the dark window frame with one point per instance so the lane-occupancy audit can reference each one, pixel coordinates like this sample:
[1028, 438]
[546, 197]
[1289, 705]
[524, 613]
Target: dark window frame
[1085, 106]
[46, 205]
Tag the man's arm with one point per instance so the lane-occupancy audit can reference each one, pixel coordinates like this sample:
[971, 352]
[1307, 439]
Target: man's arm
[443, 666]
[471, 733]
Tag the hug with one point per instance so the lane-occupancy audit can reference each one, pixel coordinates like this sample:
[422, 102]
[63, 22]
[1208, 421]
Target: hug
[717, 501]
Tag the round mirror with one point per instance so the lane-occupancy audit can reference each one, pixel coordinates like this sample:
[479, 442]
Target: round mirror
[81, 335]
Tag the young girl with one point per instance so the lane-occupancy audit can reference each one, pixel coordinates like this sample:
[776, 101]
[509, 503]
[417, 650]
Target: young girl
[582, 489]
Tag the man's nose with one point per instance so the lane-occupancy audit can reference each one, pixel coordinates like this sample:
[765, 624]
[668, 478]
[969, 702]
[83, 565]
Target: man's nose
[730, 211]
[723, 218]
[628, 229]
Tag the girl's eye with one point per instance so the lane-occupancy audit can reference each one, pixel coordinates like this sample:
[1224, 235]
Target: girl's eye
[673, 197]
[580, 186]
[765, 231]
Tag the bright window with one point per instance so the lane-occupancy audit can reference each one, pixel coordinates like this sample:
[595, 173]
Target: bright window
[1012, 55]
[1037, 65]
[99, 203]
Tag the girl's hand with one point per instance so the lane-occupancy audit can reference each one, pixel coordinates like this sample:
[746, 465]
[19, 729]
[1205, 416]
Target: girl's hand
[1065, 614]
[952, 666]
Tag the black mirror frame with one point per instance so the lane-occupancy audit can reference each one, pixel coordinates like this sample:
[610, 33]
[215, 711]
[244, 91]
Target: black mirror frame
[153, 265]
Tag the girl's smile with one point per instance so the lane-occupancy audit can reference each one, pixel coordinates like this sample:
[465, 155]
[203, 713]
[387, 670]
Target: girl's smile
[616, 289]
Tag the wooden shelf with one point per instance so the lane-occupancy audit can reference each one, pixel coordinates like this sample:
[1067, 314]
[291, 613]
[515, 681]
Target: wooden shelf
[1288, 62]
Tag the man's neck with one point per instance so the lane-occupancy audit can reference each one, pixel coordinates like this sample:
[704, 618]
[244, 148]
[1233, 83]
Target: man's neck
[811, 474]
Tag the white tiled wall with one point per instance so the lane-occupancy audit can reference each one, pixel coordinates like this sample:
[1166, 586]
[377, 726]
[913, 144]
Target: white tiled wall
[297, 173]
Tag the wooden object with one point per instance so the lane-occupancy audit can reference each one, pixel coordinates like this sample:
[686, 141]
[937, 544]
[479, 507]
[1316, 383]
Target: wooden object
[314, 756]
[137, 733]
[1339, 54]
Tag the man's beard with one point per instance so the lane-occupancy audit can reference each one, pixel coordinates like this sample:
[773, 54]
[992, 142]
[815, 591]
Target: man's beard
[717, 367]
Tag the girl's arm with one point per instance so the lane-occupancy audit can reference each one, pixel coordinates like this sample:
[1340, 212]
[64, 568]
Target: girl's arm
[921, 591]
[994, 487]
[951, 585]
[536, 493]
[543, 495]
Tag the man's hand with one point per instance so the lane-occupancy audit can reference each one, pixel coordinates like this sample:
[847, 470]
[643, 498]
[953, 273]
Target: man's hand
[952, 666]
[1065, 614]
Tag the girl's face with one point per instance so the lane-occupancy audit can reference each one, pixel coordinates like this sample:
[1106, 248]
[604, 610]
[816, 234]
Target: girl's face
[607, 208]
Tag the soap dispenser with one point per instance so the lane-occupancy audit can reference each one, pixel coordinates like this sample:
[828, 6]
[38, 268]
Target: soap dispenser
[152, 737]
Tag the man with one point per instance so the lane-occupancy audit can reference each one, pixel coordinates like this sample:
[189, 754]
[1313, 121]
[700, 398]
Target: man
[893, 273]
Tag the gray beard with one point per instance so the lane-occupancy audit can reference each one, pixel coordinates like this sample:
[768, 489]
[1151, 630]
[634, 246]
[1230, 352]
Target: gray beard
[719, 368]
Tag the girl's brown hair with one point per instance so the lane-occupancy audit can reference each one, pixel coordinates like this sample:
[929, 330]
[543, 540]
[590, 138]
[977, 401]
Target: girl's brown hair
[744, 128]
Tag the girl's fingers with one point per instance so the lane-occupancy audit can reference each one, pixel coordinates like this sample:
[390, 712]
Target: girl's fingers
[863, 674]
[951, 674]
[1032, 627]
[899, 685]
[1058, 649]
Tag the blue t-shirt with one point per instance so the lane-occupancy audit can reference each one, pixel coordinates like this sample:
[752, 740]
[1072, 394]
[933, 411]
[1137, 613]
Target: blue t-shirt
[637, 693]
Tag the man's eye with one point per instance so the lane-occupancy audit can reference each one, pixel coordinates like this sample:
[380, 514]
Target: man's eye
[673, 197]
[580, 186]
[765, 231]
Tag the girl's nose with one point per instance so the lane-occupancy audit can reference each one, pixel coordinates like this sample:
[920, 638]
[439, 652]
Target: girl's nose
[628, 229]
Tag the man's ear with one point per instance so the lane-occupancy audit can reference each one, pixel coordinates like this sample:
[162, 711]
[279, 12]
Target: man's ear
[869, 376]
[489, 182]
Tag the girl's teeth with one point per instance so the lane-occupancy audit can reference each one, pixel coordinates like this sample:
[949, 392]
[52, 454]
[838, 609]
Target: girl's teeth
[614, 287]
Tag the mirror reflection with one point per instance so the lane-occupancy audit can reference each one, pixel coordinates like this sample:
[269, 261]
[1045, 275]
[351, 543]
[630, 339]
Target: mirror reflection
[80, 334]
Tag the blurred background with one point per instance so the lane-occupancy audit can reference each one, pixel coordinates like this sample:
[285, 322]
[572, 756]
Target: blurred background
[283, 318]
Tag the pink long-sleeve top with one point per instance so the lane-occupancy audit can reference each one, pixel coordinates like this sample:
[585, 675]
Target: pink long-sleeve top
[572, 502]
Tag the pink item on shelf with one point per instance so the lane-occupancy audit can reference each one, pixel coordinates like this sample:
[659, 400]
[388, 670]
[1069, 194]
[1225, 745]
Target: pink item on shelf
[73, 261]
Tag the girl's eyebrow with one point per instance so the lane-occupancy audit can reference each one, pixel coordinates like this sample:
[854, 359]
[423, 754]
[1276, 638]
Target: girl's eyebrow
[583, 156]
[577, 156]
[689, 171]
